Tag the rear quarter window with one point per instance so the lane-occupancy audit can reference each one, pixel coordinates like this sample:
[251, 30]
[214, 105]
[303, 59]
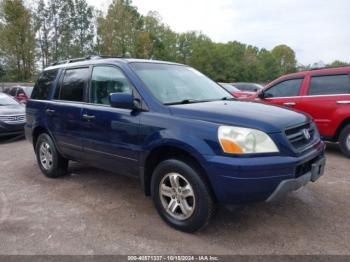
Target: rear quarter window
[13, 92]
[43, 85]
[329, 85]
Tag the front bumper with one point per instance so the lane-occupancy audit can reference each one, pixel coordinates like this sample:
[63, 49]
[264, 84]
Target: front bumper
[8, 130]
[289, 185]
[243, 180]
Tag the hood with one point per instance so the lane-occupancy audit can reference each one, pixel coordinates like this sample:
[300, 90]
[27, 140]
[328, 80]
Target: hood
[12, 110]
[268, 118]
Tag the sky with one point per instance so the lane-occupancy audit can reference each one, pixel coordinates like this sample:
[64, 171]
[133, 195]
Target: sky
[317, 30]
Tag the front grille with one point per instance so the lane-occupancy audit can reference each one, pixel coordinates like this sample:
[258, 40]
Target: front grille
[13, 119]
[301, 136]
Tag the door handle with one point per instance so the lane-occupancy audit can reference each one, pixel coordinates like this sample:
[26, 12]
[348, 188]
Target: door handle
[289, 104]
[88, 117]
[49, 112]
[343, 102]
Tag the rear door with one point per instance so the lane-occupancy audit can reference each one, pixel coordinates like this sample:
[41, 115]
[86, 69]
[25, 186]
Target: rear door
[285, 93]
[110, 135]
[63, 113]
[326, 99]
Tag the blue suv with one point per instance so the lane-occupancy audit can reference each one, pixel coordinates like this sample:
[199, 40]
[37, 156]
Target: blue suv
[188, 141]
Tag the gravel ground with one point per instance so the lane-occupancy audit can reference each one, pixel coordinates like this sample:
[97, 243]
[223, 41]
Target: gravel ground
[94, 212]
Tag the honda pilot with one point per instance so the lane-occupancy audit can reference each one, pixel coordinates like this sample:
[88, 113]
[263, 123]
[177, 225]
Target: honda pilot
[188, 141]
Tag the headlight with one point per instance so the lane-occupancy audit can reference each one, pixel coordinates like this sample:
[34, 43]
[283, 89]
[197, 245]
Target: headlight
[239, 140]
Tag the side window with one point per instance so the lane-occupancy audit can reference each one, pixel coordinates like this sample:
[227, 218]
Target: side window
[13, 91]
[329, 85]
[20, 92]
[285, 89]
[106, 80]
[73, 85]
[43, 85]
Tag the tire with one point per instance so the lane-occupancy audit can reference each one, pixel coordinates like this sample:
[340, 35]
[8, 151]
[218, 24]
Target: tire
[45, 149]
[344, 140]
[198, 204]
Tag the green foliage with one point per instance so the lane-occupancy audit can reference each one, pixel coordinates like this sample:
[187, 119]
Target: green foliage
[64, 29]
[161, 42]
[338, 63]
[124, 31]
[17, 42]
[118, 32]
[285, 57]
[60, 29]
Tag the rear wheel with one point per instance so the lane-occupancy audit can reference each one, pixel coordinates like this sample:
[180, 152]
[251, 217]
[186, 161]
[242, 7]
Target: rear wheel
[181, 196]
[51, 163]
[344, 140]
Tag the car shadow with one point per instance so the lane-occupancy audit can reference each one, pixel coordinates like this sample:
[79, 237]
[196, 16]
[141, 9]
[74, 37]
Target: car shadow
[334, 148]
[11, 139]
[122, 191]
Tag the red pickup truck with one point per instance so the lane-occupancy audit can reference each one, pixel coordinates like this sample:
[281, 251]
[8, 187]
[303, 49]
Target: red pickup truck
[324, 94]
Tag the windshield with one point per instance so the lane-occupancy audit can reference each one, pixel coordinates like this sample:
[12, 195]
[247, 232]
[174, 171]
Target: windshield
[248, 86]
[229, 87]
[28, 90]
[176, 84]
[5, 100]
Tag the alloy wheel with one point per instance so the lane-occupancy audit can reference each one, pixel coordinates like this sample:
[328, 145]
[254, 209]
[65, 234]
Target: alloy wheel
[177, 196]
[46, 158]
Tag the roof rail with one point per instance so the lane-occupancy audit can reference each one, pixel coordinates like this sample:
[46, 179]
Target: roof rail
[317, 68]
[90, 57]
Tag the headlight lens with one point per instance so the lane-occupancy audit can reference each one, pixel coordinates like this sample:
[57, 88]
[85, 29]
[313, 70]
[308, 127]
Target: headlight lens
[239, 140]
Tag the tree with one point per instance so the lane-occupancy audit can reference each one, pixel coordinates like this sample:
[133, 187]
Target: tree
[338, 63]
[64, 28]
[285, 57]
[17, 39]
[267, 66]
[162, 40]
[118, 32]
[250, 60]
[82, 28]
[42, 27]
[143, 45]
[71, 28]
[185, 46]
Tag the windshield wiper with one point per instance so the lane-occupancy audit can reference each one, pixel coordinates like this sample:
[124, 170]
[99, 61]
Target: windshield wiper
[185, 101]
[190, 101]
[227, 98]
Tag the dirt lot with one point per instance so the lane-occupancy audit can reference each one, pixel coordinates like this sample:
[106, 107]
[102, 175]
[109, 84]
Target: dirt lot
[94, 212]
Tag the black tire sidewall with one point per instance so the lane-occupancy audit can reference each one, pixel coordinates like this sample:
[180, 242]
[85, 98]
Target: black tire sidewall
[203, 205]
[53, 171]
[344, 134]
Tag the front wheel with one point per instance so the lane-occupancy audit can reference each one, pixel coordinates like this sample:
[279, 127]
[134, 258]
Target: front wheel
[344, 140]
[51, 163]
[181, 196]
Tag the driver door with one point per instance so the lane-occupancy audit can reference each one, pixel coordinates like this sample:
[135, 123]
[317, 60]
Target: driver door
[110, 135]
[285, 93]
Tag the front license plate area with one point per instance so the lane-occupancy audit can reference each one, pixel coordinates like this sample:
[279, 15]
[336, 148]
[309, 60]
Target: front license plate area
[317, 169]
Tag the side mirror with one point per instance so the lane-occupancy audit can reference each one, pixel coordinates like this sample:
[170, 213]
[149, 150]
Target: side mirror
[261, 95]
[122, 100]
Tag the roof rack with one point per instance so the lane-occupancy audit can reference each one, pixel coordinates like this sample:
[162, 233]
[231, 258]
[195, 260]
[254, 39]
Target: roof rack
[90, 57]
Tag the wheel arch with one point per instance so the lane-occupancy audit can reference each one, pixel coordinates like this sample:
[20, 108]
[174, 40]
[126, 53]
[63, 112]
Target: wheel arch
[169, 151]
[37, 132]
[343, 124]
[40, 130]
